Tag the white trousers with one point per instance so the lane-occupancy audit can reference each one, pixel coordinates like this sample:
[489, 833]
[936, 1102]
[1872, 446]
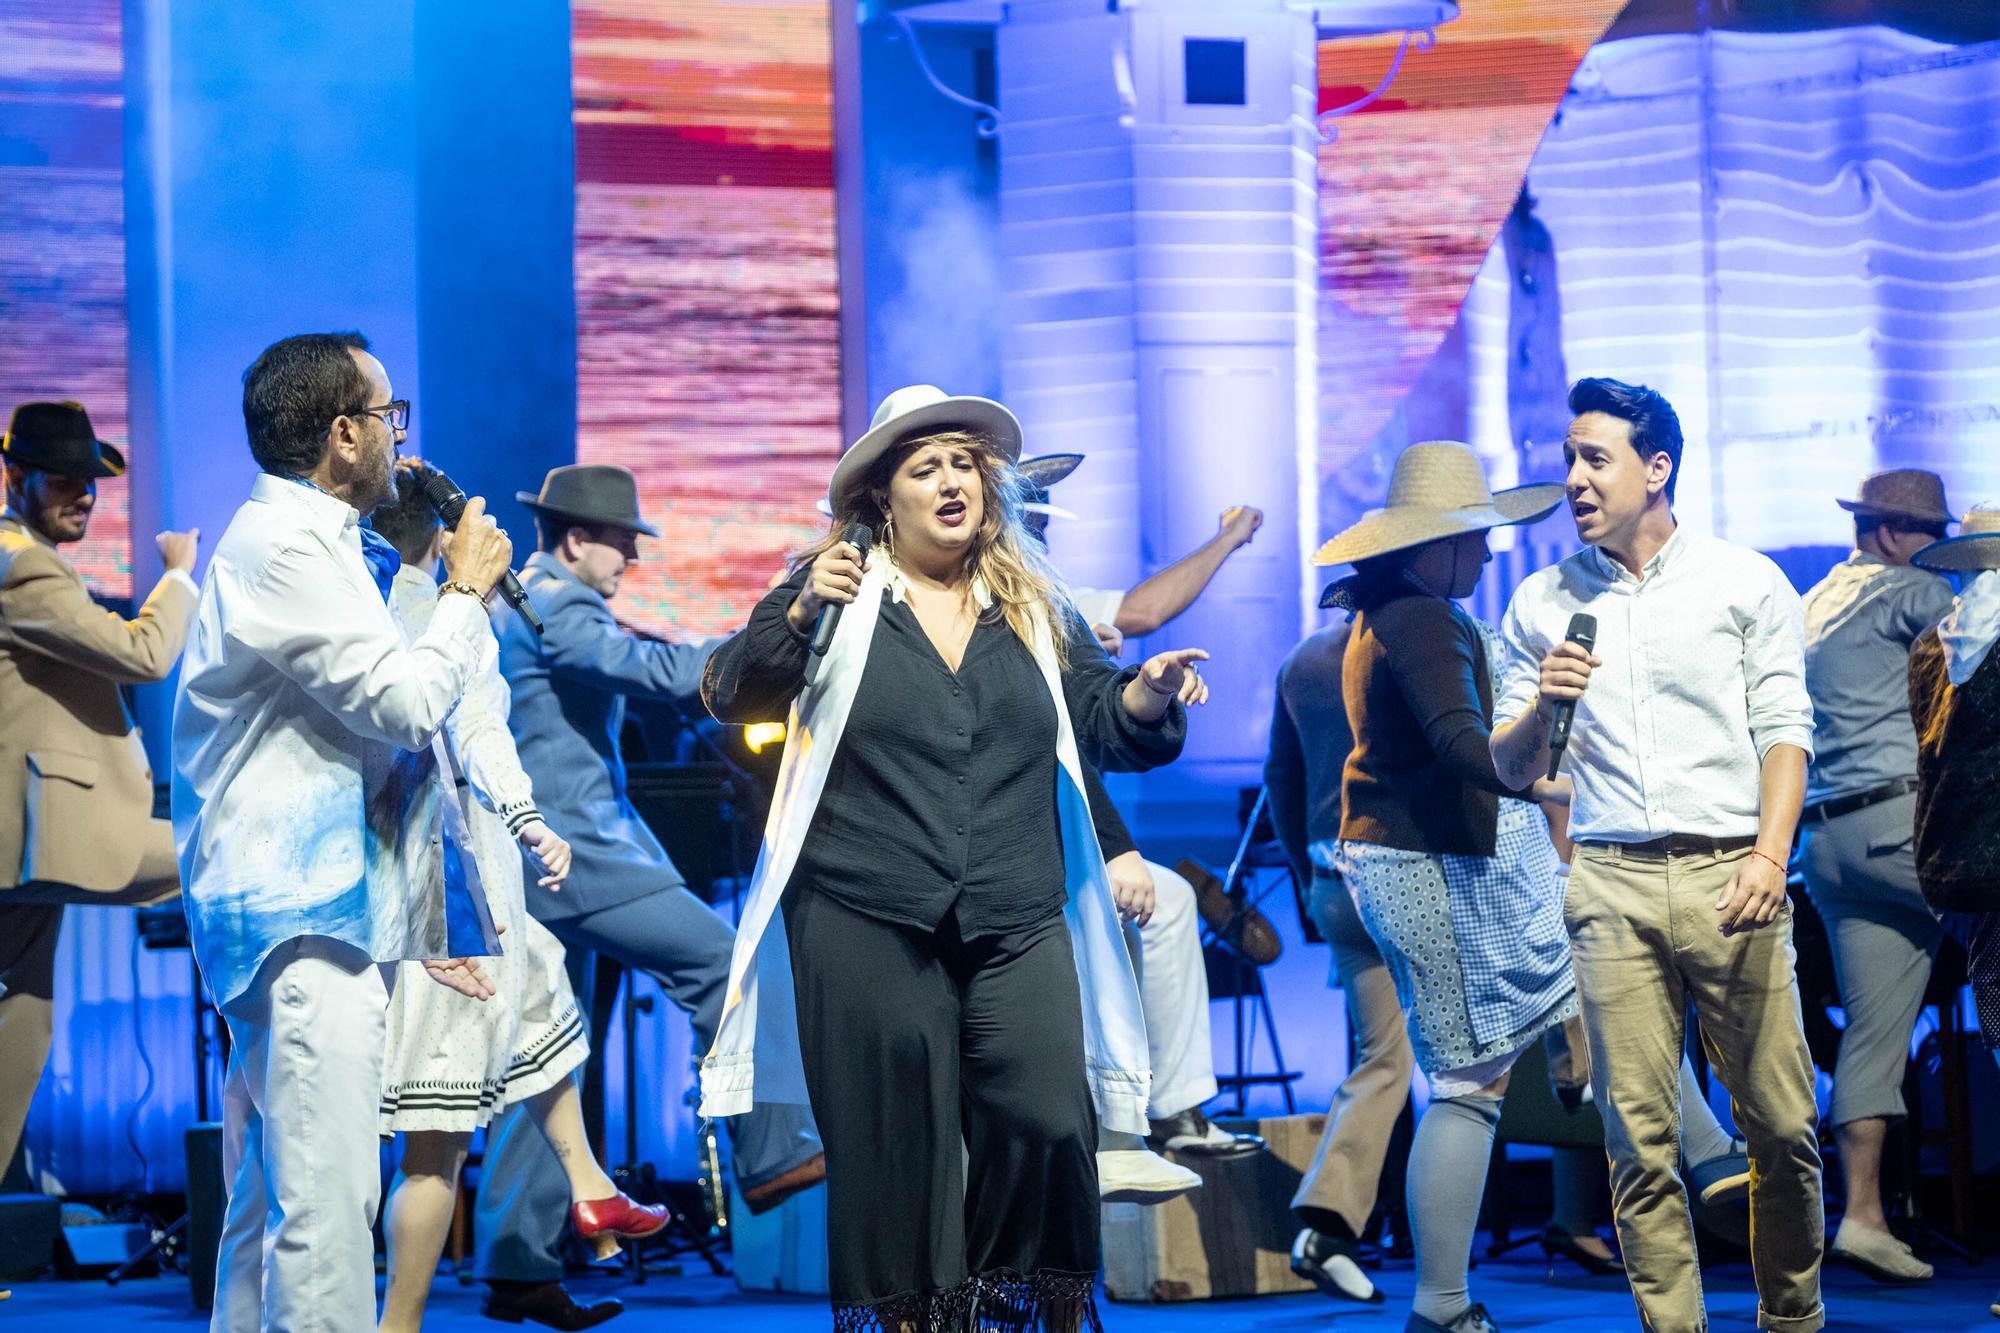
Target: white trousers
[300, 1146]
[1173, 990]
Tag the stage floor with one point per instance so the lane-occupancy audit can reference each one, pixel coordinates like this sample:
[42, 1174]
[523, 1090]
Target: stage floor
[1518, 1291]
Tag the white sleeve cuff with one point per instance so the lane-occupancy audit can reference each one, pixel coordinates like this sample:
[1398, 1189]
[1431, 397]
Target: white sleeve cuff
[1799, 736]
[182, 577]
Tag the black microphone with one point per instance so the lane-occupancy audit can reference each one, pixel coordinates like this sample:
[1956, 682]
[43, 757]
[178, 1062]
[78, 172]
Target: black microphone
[443, 496]
[860, 537]
[1582, 633]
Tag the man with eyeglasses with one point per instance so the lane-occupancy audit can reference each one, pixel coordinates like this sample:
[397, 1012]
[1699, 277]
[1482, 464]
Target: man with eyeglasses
[307, 810]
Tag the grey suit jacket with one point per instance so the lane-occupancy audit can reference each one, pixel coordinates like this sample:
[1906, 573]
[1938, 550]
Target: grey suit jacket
[569, 689]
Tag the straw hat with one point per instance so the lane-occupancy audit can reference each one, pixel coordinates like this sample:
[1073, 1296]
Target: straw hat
[922, 409]
[1901, 493]
[1438, 490]
[1976, 547]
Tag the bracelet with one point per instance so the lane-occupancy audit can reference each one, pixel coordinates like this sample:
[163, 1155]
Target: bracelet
[1156, 693]
[459, 585]
[1781, 869]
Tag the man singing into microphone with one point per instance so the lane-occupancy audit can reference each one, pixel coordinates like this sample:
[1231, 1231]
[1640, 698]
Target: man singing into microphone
[1691, 737]
[307, 814]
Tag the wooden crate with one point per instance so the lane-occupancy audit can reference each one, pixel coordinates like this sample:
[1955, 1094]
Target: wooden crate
[1230, 1238]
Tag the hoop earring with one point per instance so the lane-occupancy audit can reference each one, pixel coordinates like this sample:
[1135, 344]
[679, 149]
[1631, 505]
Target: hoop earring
[889, 535]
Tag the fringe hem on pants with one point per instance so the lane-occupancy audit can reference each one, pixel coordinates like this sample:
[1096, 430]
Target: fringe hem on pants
[998, 1302]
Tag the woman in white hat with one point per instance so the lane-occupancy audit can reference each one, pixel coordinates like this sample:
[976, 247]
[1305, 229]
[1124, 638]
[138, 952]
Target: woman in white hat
[1452, 872]
[962, 994]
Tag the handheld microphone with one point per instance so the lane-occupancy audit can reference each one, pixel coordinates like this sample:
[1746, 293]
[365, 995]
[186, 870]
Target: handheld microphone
[443, 496]
[1582, 633]
[859, 536]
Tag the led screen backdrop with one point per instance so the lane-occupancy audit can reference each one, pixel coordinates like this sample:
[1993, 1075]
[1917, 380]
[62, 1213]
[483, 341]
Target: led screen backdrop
[707, 315]
[62, 237]
[1786, 225]
[1413, 190]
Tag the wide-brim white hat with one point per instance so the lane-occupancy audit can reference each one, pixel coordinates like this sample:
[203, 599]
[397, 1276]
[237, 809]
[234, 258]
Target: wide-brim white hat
[1437, 490]
[923, 409]
[1976, 547]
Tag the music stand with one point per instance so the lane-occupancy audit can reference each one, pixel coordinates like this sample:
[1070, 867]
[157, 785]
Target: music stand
[1232, 975]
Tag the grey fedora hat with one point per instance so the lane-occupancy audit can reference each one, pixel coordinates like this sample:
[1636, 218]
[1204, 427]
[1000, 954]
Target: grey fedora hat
[590, 493]
[1038, 474]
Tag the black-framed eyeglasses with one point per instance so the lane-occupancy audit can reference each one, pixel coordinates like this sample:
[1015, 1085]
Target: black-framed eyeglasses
[395, 415]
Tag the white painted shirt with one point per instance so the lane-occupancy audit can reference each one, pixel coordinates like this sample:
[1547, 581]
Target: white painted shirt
[1098, 606]
[1704, 671]
[305, 792]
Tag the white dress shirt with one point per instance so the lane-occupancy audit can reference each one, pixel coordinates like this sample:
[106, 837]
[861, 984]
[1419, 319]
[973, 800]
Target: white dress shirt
[306, 796]
[1704, 671]
[1098, 606]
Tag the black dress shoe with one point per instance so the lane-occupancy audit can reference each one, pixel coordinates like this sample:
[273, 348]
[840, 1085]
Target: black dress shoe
[1555, 1241]
[545, 1303]
[1193, 1133]
[1333, 1264]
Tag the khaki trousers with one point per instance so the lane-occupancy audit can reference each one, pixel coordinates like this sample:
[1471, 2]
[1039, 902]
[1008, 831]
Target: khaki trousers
[1645, 939]
[1347, 1171]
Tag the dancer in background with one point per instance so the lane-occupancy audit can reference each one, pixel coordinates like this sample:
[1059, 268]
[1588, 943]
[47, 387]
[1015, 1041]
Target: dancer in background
[1955, 703]
[1166, 942]
[962, 990]
[1453, 875]
[1860, 817]
[67, 746]
[625, 899]
[453, 1061]
[1689, 764]
[306, 806]
[1310, 741]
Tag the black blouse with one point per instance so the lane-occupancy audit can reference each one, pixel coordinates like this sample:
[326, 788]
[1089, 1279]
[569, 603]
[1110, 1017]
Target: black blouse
[941, 798]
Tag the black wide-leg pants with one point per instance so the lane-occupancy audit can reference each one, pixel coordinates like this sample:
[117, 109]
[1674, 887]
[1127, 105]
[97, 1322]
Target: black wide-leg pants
[947, 1079]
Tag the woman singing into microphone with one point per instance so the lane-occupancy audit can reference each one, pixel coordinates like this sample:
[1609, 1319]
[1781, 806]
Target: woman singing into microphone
[957, 985]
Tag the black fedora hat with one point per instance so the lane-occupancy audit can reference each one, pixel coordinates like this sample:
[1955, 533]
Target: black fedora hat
[56, 437]
[590, 493]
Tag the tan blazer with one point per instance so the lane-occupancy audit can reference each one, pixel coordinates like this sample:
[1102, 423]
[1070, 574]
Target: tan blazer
[75, 789]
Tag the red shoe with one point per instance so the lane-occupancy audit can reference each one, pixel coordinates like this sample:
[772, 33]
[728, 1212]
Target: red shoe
[602, 1222]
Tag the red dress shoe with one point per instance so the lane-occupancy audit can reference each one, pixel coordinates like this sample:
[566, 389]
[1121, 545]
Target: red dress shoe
[603, 1221]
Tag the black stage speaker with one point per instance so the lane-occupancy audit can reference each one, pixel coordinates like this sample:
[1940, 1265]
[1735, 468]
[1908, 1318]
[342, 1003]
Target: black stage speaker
[689, 808]
[29, 1224]
[205, 1195]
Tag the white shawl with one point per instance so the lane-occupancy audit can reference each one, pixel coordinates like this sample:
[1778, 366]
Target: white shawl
[757, 1045]
[1968, 634]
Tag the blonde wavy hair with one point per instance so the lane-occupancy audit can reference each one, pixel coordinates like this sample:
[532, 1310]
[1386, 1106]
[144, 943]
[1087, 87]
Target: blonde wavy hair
[1014, 566]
